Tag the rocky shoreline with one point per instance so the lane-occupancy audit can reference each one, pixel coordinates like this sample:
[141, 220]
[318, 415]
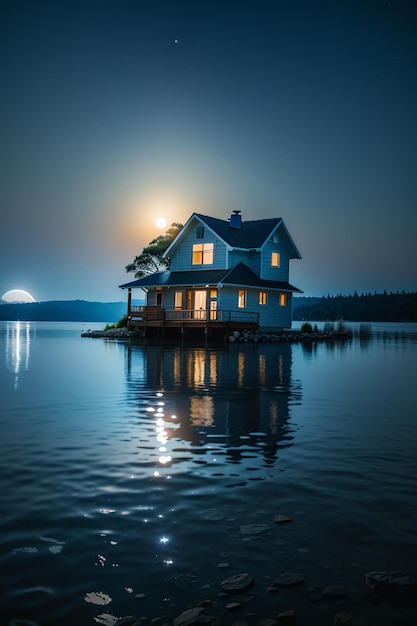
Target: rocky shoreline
[385, 599]
[244, 336]
[287, 598]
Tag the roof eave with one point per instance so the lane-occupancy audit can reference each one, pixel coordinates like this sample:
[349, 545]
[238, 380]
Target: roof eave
[289, 289]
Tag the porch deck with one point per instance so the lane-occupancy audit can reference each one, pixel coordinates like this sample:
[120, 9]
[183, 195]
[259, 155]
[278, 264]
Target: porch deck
[208, 321]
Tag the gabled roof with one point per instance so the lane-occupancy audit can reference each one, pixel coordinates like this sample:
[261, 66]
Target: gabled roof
[251, 235]
[240, 275]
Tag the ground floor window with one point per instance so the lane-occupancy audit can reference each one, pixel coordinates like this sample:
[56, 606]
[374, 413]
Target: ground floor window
[263, 297]
[241, 299]
[283, 298]
[178, 300]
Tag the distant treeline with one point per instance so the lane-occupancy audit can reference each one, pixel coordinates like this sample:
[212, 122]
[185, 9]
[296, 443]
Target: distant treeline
[64, 311]
[384, 307]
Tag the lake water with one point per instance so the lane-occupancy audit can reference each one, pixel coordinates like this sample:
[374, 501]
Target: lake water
[134, 479]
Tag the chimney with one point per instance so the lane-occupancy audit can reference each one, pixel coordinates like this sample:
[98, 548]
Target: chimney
[235, 220]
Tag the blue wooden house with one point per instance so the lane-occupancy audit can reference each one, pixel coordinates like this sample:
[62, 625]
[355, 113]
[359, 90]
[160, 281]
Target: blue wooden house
[222, 272]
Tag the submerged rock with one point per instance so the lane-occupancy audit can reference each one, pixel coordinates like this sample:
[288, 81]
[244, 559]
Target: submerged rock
[238, 583]
[282, 519]
[391, 583]
[288, 618]
[192, 616]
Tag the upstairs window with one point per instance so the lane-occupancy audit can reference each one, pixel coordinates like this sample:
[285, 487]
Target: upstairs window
[241, 299]
[200, 232]
[275, 259]
[263, 297]
[283, 299]
[203, 254]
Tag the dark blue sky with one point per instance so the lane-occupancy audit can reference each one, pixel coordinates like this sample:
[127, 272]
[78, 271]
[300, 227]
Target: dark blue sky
[114, 113]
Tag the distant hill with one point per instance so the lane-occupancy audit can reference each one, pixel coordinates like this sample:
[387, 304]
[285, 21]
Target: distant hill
[64, 311]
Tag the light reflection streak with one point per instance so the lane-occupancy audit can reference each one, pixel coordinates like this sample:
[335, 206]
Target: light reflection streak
[17, 348]
[162, 436]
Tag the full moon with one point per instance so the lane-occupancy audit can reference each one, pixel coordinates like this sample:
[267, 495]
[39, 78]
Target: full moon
[161, 222]
[17, 295]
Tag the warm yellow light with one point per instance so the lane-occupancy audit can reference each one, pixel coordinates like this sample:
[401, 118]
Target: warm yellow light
[161, 222]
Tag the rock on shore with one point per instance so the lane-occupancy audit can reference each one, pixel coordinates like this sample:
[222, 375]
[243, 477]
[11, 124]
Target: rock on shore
[111, 333]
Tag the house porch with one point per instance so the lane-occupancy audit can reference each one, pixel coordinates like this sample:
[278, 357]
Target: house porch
[155, 320]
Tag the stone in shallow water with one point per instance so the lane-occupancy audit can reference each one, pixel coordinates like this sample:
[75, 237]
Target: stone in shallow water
[390, 582]
[192, 616]
[238, 583]
[289, 579]
[287, 618]
[283, 519]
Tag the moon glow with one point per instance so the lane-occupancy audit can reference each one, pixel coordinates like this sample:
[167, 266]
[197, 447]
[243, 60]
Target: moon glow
[161, 222]
[17, 295]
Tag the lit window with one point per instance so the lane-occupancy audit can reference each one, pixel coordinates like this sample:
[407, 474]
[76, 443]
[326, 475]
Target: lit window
[241, 300]
[275, 259]
[213, 293]
[178, 300]
[282, 299]
[203, 253]
[263, 297]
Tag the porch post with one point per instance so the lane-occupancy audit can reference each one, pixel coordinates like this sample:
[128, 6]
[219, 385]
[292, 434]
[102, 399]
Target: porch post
[129, 302]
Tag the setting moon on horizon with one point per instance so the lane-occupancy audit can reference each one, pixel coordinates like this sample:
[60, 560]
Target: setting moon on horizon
[161, 222]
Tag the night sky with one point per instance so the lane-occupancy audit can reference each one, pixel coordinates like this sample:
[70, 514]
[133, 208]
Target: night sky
[114, 113]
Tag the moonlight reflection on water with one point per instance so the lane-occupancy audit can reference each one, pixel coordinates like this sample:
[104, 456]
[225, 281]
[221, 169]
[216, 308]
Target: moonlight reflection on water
[143, 472]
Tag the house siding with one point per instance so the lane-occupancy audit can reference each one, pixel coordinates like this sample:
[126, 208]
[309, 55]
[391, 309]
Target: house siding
[274, 273]
[271, 315]
[182, 256]
[151, 297]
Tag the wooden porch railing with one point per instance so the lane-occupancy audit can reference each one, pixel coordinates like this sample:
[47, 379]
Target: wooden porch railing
[157, 313]
[147, 312]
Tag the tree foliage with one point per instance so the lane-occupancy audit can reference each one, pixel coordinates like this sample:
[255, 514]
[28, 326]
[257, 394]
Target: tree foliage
[150, 260]
[383, 307]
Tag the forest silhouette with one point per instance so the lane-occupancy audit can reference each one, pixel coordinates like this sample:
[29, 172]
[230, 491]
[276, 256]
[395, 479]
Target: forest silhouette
[384, 307]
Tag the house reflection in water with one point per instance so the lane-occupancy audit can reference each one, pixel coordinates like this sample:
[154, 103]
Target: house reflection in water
[236, 398]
